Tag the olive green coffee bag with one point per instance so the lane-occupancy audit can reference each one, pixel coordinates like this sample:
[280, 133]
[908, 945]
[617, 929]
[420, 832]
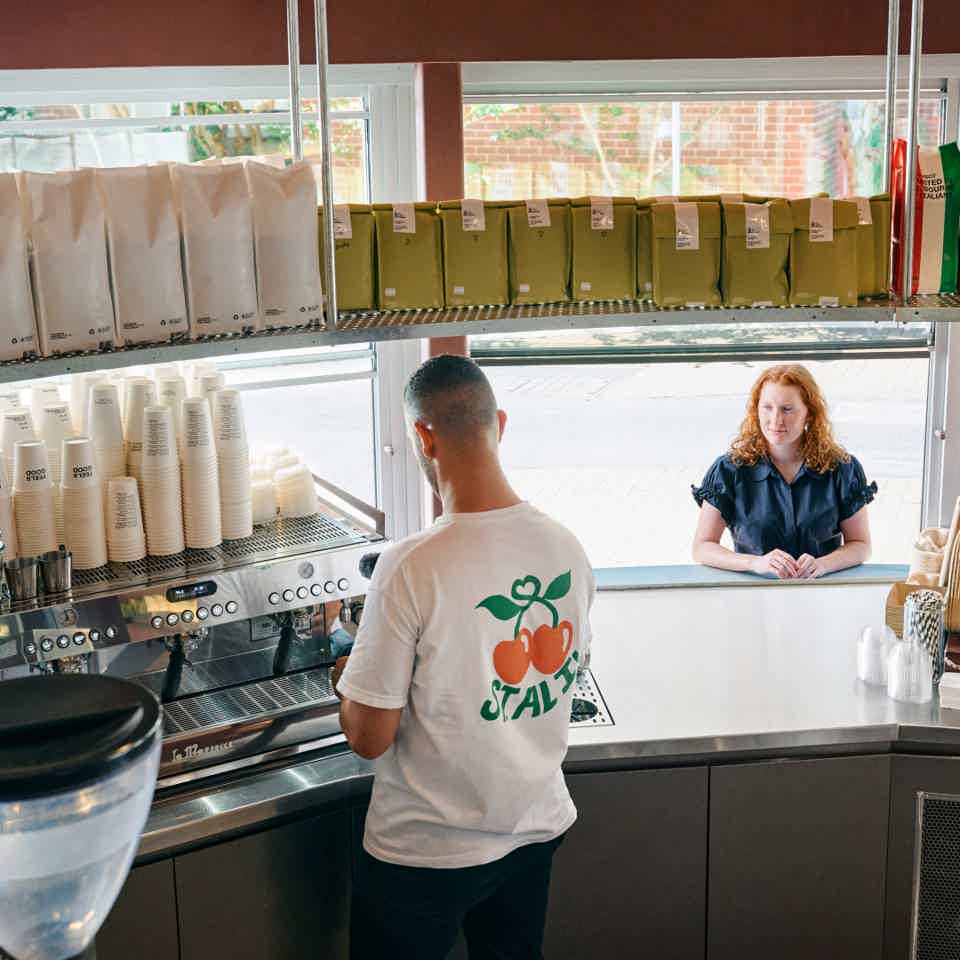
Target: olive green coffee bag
[756, 254]
[354, 243]
[475, 253]
[604, 231]
[409, 256]
[539, 244]
[686, 254]
[823, 254]
[873, 245]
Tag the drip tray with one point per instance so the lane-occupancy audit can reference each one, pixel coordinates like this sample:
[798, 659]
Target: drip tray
[249, 702]
[589, 709]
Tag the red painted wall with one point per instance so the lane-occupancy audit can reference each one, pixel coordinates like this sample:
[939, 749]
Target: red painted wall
[121, 33]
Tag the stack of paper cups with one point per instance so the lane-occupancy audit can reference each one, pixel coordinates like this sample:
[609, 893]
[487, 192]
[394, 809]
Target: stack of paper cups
[55, 426]
[233, 462]
[171, 392]
[200, 475]
[119, 379]
[282, 462]
[33, 499]
[160, 483]
[105, 428]
[80, 385]
[296, 492]
[16, 425]
[9, 401]
[126, 541]
[141, 393]
[263, 496]
[83, 526]
[41, 394]
[210, 384]
[8, 525]
[196, 371]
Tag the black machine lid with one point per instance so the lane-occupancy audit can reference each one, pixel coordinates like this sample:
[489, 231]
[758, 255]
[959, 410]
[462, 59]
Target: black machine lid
[62, 731]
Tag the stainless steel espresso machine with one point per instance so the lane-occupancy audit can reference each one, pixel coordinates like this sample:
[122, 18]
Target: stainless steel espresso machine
[236, 641]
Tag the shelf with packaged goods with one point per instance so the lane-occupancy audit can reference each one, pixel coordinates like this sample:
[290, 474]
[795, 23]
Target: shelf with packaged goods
[358, 327]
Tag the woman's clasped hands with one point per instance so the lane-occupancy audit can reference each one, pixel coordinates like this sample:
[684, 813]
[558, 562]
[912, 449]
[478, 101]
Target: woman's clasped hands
[781, 565]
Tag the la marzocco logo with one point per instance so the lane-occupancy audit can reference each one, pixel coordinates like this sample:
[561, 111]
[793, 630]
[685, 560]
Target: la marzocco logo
[195, 752]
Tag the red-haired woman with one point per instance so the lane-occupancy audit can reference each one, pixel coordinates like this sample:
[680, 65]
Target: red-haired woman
[794, 500]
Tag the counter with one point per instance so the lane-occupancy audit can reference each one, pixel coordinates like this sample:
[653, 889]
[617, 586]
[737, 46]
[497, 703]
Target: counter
[752, 798]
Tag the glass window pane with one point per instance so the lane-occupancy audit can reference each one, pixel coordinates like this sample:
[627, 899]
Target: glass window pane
[612, 449]
[768, 147]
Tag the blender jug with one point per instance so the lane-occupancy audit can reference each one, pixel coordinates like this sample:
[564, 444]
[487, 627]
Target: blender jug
[78, 763]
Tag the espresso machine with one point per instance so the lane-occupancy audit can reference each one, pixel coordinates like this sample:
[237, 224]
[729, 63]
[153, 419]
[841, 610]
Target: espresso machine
[235, 641]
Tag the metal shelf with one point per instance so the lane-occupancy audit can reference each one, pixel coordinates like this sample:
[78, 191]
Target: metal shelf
[359, 327]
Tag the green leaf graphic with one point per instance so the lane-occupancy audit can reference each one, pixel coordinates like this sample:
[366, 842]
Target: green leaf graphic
[501, 607]
[559, 588]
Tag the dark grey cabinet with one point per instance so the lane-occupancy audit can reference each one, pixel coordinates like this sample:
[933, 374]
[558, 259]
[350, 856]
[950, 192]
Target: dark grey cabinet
[143, 922]
[630, 877]
[911, 776]
[283, 894]
[797, 859]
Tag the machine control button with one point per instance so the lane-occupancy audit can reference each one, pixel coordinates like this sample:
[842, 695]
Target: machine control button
[187, 616]
[302, 593]
[202, 613]
[94, 636]
[288, 595]
[79, 639]
[30, 648]
[232, 606]
[110, 633]
[46, 644]
[330, 586]
[63, 641]
[156, 622]
[316, 589]
[173, 619]
[343, 584]
[217, 609]
[274, 597]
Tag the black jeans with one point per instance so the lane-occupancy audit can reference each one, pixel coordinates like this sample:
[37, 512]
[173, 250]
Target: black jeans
[416, 913]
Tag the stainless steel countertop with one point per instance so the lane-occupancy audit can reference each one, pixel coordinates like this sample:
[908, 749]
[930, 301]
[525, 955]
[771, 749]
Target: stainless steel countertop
[699, 675]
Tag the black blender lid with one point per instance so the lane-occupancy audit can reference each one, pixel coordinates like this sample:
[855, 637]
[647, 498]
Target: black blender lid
[61, 731]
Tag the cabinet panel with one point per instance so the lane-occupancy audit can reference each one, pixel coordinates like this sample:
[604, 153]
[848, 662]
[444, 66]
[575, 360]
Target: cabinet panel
[911, 775]
[797, 859]
[282, 894]
[143, 921]
[630, 877]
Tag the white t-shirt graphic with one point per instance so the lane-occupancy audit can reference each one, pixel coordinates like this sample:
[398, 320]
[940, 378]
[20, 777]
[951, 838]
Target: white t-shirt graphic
[475, 626]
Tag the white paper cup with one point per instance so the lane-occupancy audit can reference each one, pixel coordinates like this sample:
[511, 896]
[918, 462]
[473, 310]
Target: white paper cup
[10, 401]
[263, 498]
[42, 394]
[80, 385]
[171, 392]
[83, 526]
[36, 522]
[104, 422]
[163, 516]
[8, 527]
[31, 469]
[126, 540]
[55, 426]
[296, 492]
[78, 464]
[16, 425]
[141, 393]
[229, 427]
[159, 439]
[196, 430]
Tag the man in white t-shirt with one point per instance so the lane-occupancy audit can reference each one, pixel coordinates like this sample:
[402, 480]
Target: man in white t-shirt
[460, 684]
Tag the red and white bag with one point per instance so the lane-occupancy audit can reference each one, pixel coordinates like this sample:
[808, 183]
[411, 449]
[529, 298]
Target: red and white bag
[936, 234]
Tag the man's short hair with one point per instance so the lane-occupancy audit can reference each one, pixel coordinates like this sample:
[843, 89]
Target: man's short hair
[452, 395]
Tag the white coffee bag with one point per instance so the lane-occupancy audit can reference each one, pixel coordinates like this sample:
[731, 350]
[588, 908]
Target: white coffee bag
[217, 248]
[143, 237]
[71, 285]
[286, 242]
[18, 326]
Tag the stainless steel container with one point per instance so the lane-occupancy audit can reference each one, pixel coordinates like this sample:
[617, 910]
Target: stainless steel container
[22, 578]
[56, 568]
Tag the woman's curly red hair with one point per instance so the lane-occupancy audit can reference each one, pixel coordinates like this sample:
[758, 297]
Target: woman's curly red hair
[818, 448]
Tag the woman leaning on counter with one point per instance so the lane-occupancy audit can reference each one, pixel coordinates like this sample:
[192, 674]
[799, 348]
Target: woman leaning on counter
[794, 500]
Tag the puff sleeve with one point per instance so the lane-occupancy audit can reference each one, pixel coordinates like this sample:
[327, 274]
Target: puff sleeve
[718, 489]
[853, 491]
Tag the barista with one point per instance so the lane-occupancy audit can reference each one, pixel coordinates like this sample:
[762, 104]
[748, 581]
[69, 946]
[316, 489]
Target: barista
[794, 500]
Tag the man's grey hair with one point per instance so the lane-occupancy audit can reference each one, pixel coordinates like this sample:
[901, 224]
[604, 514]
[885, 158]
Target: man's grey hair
[452, 395]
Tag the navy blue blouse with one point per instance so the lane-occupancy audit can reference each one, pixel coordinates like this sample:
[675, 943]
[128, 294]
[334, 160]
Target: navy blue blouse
[766, 513]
